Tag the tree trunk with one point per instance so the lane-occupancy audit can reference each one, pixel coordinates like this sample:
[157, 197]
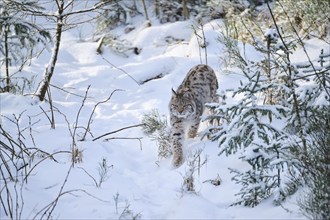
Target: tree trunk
[51, 66]
[7, 88]
[145, 10]
[269, 92]
[157, 8]
[185, 9]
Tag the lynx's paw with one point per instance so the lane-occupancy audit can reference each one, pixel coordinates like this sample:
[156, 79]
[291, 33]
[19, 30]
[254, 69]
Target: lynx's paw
[177, 161]
[178, 158]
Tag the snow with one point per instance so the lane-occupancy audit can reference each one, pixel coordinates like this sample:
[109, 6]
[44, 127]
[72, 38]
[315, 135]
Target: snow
[151, 188]
[271, 33]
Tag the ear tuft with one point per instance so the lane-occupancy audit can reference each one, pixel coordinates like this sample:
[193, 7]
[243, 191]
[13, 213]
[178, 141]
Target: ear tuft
[174, 92]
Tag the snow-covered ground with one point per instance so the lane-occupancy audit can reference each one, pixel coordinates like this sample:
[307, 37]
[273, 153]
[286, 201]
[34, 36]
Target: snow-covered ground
[138, 184]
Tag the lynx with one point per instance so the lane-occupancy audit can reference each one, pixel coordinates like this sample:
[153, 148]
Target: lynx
[187, 105]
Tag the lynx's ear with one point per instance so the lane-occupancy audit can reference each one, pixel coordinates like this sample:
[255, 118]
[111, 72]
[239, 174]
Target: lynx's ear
[174, 92]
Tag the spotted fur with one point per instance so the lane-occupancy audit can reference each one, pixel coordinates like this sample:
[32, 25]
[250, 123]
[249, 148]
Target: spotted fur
[187, 105]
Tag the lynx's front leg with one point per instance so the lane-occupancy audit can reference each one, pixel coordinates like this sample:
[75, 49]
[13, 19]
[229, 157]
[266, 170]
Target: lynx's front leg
[177, 139]
[193, 128]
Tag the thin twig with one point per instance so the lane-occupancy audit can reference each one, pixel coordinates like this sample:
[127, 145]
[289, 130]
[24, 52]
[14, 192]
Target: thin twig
[30, 129]
[199, 47]
[60, 192]
[126, 138]
[43, 159]
[95, 182]
[120, 69]
[95, 106]
[76, 123]
[52, 125]
[71, 93]
[50, 121]
[205, 45]
[47, 207]
[121, 129]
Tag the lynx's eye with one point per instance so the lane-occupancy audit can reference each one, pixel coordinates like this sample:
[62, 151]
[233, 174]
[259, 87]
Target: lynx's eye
[189, 107]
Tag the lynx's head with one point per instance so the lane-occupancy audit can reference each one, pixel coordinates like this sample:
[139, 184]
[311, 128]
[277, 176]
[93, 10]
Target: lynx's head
[182, 104]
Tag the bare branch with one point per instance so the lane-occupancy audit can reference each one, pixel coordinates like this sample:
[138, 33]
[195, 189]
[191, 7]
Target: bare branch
[95, 106]
[120, 69]
[94, 7]
[71, 93]
[49, 156]
[88, 174]
[61, 190]
[126, 138]
[50, 121]
[76, 124]
[121, 129]
[68, 4]
[63, 8]
[47, 207]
